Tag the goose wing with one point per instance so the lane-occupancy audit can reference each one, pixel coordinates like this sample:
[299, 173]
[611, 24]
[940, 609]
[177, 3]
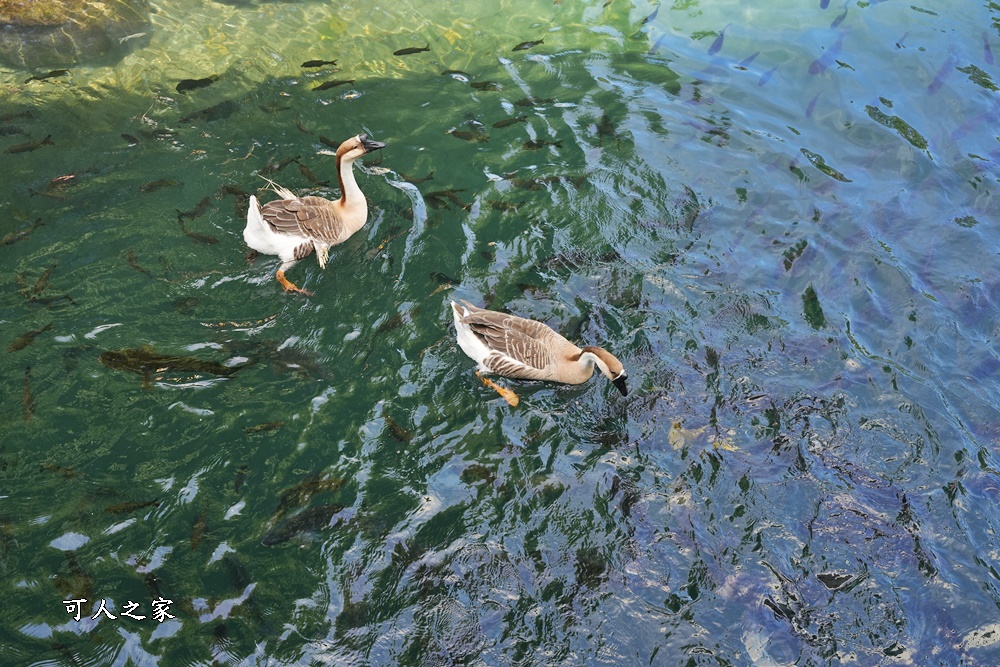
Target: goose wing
[519, 348]
[308, 217]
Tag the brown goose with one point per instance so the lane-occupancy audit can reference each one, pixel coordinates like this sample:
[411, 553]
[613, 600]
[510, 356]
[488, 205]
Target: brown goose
[524, 349]
[294, 227]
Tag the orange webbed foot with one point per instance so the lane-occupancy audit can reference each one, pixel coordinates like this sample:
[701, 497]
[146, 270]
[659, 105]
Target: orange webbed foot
[290, 286]
[507, 394]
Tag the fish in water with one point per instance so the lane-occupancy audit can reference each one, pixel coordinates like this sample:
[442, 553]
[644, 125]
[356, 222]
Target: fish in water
[535, 144]
[263, 428]
[416, 180]
[332, 84]
[200, 238]
[153, 186]
[133, 261]
[197, 211]
[218, 111]
[29, 397]
[26, 339]
[131, 506]
[21, 235]
[411, 50]
[309, 176]
[500, 124]
[524, 46]
[533, 101]
[130, 139]
[717, 44]
[766, 76]
[50, 75]
[456, 73]
[465, 135]
[194, 84]
[486, 85]
[987, 51]
[312, 519]
[198, 530]
[942, 74]
[318, 63]
[820, 65]
[277, 165]
[43, 281]
[241, 478]
[397, 431]
[31, 145]
[146, 361]
[840, 19]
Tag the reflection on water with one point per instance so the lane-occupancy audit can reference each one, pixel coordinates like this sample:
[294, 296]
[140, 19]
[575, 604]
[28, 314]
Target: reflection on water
[778, 218]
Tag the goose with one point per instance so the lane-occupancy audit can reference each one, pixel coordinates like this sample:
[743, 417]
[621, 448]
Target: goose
[294, 227]
[523, 349]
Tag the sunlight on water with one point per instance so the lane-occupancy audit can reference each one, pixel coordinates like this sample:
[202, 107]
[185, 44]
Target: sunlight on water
[779, 218]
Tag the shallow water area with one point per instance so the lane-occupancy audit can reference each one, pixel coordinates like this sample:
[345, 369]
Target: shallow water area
[782, 219]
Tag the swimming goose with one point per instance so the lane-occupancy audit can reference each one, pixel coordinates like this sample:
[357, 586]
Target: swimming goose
[294, 227]
[524, 349]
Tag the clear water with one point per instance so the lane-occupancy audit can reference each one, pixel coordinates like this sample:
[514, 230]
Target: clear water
[780, 216]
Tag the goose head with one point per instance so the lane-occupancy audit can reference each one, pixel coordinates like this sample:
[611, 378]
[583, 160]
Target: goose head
[355, 147]
[609, 365]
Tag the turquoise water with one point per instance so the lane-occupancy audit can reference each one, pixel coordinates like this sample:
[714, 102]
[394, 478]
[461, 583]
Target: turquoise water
[781, 218]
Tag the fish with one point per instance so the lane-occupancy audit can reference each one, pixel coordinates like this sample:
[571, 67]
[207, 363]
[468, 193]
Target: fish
[450, 194]
[524, 46]
[263, 428]
[131, 506]
[273, 107]
[745, 63]
[198, 530]
[153, 186]
[197, 211]
[942, 74]
[26, 339]
[68, 473]
[130, 139]
[505, 206]
[241, 478]
[309, 520]
[20, 235]
[50, 75]
[717, 44]
[605, 128]
[823, 4]
[651, 16]
[411, 50]
[145, 361]
[200, 238]
[535, 144]
[766, 76]
[332, 84]
[16, 115]
[309, 176]
[194, 84]
[656, 45]
[533, 101]
[277, 165]
[811, 107]
[135, 35]
[500, 124]
[31, 145]
[486, 85]
[416, 180]
[397, 431]
[218, 111]
[28, 402]
[329, 142]
[465, 135]
[230, 189]
[840, 19]
[819, 65]
[43, 281]
[318, 63]
[133, 261]
[8, 130]
[987, 51]
[456, 72]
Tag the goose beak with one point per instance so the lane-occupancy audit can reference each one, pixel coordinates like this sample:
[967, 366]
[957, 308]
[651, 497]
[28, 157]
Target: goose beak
[369, 144]
[619, 383]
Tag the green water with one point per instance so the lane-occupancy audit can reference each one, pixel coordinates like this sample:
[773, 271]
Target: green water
[786, 229]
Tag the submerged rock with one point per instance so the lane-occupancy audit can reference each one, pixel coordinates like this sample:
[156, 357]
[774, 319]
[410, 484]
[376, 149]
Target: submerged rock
[69, 32]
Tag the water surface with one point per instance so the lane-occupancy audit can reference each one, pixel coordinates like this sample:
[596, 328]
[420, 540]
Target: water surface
[781, 219]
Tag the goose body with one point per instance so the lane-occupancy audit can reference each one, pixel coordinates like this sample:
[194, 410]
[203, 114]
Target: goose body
[295, 227]
[523, 349]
